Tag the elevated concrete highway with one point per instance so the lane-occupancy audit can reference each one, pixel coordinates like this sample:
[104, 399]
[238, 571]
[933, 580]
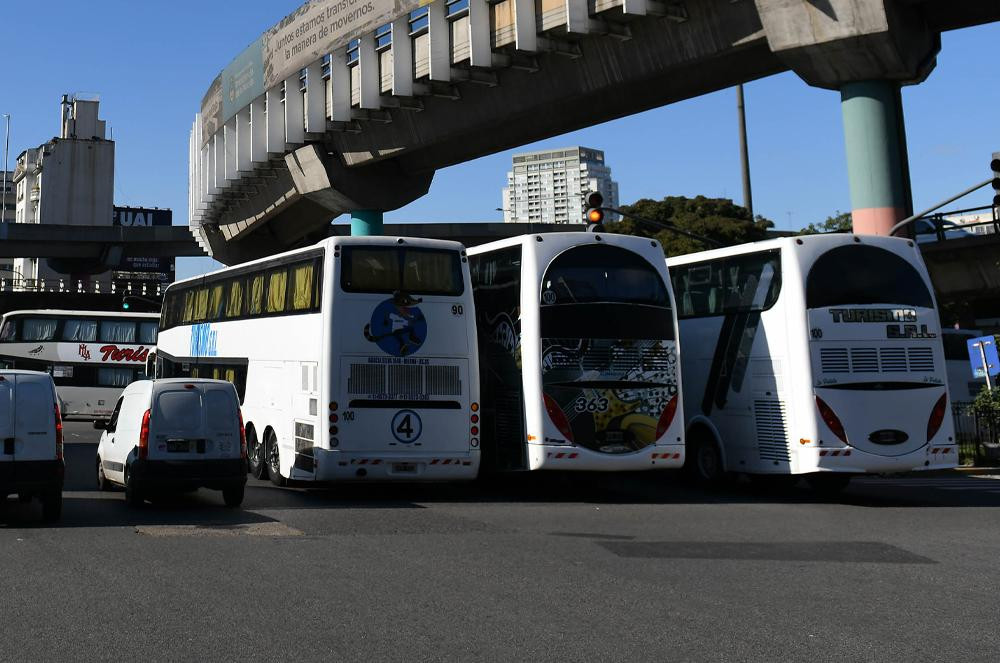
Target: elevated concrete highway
[352, 105]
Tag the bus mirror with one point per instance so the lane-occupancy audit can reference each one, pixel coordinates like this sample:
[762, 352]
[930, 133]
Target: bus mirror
[100, 424]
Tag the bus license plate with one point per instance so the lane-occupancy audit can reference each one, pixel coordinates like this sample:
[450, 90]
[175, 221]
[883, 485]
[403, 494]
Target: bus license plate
[178, 446]
[407, 468]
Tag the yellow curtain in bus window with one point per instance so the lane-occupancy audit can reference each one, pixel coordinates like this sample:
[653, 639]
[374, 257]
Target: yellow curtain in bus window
[302, 287]
[215, 302]
[188, 306]
[231, 375]
[276, 285]
[235, 302]
[201, 304]
[256, 302]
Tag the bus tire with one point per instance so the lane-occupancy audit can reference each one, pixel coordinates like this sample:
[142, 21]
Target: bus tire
[274, 459]
[828, 483]
[51, 505]
[255, 454]
[103, 484]
[133, 496]
[706, 460]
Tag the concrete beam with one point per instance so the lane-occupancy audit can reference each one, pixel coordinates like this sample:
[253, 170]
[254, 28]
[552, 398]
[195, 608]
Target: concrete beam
[32, 240]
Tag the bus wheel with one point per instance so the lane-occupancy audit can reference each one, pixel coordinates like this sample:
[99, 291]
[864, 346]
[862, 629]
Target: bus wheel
[103, 484]
[274, 461]
[255, 454]
[708, 465]
[828, 483]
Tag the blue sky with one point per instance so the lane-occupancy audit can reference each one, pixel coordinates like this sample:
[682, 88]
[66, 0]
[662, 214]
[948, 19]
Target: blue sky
[151, 62]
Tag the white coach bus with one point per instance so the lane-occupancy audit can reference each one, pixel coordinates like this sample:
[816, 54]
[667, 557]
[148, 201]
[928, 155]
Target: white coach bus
[91, 355]
[353, 359]
[578, 342]
[818, 356]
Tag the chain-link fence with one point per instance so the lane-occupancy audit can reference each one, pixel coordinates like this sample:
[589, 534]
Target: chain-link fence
[977, 438]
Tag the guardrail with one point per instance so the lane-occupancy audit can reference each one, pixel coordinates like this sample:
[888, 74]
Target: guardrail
[943, 226]
[112, 287]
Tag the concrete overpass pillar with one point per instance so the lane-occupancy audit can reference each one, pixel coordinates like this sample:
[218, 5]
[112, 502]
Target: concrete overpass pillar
[876, 155]
[366, 222]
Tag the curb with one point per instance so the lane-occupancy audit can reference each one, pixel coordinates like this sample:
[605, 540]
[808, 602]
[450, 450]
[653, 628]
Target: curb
[959, 472]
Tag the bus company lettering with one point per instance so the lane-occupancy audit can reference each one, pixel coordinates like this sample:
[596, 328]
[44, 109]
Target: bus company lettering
[873, 315]
[399, 360]
[114, 353]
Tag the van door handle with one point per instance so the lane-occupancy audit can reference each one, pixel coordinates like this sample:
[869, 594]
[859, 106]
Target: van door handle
[8, 446]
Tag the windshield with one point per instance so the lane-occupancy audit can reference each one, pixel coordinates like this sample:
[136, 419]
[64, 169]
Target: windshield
[602, 274]
[386, 269]
[858, 274]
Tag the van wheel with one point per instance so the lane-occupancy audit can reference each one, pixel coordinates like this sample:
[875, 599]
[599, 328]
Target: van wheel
[133, 497]
[103, 484]
[274, 461]
[255, 455]
[706, 461]
[233, 497]
[52, 506]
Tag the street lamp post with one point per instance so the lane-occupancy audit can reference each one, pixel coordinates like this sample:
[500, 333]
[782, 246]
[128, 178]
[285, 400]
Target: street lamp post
[6, 146]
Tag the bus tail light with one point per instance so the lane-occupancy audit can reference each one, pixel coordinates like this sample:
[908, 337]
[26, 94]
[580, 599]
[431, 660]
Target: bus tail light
[831, 420]
[144, 436]
[667, 417]
[558, 417]
[937, 417]
[243, 436]
[59, 432]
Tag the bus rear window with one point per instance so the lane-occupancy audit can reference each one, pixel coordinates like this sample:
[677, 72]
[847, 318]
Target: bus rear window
[859, 275]
[386, 269]
[598, 273]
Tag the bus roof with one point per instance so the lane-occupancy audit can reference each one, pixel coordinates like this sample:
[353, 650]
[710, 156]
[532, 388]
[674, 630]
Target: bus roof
[328, 242]
[826, 241]
[82, 314]
[577, 236]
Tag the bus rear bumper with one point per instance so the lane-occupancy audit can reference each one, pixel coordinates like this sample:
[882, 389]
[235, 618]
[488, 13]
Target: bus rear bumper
[848, 459]
[566, 458]
[346, 466]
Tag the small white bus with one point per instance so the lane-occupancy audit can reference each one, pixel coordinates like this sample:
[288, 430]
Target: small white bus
[353, 359]
[818, 356]
[578, 342]
[91, 355]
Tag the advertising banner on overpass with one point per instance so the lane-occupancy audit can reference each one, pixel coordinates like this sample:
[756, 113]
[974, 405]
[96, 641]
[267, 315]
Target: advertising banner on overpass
[304, 36]
[141, 268]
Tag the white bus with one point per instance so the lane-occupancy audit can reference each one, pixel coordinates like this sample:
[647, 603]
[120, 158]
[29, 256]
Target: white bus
[818, 356]
[353, 359]
[578, 343]
[91, 355]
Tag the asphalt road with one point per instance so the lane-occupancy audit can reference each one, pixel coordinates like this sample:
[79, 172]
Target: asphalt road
[637, 567]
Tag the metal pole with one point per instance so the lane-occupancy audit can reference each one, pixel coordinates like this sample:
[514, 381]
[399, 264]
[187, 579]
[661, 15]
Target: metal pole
[6, 145]
[744, 153]
[938, 206]
[986, 367]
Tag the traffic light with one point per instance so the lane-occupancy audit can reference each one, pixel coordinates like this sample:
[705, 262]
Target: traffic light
[126, 305]
[995, 165]
[594, 214]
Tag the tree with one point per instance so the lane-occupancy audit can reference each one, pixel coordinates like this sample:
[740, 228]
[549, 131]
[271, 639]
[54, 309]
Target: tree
[838, 223]
[718, 219]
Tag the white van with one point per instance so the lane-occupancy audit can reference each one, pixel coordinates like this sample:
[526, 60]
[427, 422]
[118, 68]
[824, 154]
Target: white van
[31, 440]
[174, 434]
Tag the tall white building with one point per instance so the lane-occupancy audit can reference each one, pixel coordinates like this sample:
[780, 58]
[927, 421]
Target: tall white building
[550, 186]
[68, 180]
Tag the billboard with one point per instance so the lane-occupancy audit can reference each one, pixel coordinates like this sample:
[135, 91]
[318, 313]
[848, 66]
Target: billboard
[304, 36]
[141, 268]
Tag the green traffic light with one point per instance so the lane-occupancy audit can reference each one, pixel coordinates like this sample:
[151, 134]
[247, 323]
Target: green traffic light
[126, 306]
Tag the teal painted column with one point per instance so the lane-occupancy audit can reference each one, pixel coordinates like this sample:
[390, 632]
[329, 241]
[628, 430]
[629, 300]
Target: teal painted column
[366, 222]
[876, 155]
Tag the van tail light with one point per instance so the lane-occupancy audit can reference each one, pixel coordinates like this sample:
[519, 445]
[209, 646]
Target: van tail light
[667, 417]
[558, 417]
[243, 437]
[144, 436]
[937, 417]
[59, 432]
[831, 420]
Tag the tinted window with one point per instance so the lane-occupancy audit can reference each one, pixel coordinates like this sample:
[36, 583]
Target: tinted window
[179, 411]
[115, 377]
[385, 269]
[956, 346]
[9, 331]
[117, 331]
[147, 333]
[80, 330]
[858, 274]
[749, 282]
[602, 274]
[39, 329]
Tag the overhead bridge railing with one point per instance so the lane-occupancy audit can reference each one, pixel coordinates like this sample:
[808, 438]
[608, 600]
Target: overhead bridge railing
[335, 65]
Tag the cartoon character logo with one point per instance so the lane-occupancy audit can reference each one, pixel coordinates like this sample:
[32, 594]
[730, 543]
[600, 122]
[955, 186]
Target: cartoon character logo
[397, 326]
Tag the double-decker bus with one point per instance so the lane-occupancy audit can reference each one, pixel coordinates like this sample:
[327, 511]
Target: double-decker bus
[578, 343]
[354, 359]
[91, 355]
[818, 356]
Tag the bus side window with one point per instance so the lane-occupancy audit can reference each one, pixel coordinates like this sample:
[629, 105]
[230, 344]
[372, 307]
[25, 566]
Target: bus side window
[302, 287]
[277, 290]
[9, 331]
[188, 316]
[255, 301]
[201, 304]
[234, 302]
[216, 293]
